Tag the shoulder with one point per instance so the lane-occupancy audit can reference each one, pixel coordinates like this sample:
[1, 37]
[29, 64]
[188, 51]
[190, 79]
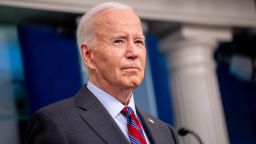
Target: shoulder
[45, 125]
[55, 114]
[66, 106]
[58, 108]
[155, 120]
[159, 128]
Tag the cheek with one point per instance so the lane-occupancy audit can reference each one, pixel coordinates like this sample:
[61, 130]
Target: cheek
[110, 61]
[143, 57]
[101, 57]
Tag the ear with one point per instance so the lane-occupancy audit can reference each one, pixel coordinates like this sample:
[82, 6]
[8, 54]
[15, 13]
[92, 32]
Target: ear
[87, 56]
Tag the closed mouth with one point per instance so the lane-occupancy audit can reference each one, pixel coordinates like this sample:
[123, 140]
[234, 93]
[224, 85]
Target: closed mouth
[131, 68]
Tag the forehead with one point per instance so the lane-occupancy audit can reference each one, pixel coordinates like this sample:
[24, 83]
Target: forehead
[117, 21]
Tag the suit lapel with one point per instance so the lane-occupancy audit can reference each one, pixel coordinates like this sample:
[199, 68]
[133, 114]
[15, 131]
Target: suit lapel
[150, 127]
[95, 115]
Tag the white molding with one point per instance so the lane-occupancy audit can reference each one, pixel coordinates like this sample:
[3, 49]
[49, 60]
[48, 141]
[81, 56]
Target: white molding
[235, 13]
[191, 34]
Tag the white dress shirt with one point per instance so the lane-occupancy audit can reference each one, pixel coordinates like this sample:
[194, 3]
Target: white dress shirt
[114, 107]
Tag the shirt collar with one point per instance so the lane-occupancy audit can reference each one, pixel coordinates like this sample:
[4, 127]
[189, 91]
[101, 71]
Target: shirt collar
[113, 106]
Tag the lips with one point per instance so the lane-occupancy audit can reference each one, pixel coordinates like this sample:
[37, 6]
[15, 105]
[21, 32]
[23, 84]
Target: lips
[131, 68]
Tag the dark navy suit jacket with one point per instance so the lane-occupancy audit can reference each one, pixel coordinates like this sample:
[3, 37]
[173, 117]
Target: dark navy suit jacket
[84, 120]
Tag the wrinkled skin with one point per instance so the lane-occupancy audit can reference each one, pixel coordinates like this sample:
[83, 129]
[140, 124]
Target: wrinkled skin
[117, 61]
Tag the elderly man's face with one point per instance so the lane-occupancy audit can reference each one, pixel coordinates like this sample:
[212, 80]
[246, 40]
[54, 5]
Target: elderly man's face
[119, 54]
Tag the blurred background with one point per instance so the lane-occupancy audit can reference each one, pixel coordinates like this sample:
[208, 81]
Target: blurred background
[200, 71]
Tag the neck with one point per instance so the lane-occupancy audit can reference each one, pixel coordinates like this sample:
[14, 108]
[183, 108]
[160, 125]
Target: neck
[123, 95]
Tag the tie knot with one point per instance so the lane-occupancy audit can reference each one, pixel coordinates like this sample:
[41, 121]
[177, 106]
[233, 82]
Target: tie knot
[127, 111]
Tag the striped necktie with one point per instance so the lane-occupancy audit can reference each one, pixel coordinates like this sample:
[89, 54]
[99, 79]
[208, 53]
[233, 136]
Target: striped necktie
[136, 135]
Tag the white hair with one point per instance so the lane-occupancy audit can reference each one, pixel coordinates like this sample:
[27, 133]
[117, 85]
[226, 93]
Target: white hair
[85, 30]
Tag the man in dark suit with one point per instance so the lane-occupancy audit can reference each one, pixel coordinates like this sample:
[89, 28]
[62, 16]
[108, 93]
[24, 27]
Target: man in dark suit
[112, 47]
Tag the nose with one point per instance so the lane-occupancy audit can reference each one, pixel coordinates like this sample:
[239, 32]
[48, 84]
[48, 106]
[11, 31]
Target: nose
[131, 52]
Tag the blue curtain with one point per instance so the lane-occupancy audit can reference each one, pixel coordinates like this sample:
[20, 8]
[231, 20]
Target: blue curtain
[51, 64]
[160, 77]
[239, 102]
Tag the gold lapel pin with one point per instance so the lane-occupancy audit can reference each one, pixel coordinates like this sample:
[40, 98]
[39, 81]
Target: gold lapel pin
[150, 120]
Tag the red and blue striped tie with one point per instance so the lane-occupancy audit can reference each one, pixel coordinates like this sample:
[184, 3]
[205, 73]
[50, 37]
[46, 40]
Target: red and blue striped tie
[134, 128]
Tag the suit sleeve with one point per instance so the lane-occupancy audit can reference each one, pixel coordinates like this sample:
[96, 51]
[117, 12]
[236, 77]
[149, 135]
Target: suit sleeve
[43, 130]
[174, 134]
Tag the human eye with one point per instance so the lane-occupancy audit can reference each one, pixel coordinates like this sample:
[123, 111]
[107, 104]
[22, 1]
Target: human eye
[118, 41]
[140, 42]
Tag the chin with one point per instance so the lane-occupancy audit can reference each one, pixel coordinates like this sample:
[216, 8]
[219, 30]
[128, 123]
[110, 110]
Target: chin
[134, 83]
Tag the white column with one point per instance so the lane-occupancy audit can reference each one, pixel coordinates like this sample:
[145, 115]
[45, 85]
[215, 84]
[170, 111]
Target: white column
[194, 86]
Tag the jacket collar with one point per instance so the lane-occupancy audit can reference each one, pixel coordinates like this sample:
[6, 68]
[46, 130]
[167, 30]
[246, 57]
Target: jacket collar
[95, 115]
